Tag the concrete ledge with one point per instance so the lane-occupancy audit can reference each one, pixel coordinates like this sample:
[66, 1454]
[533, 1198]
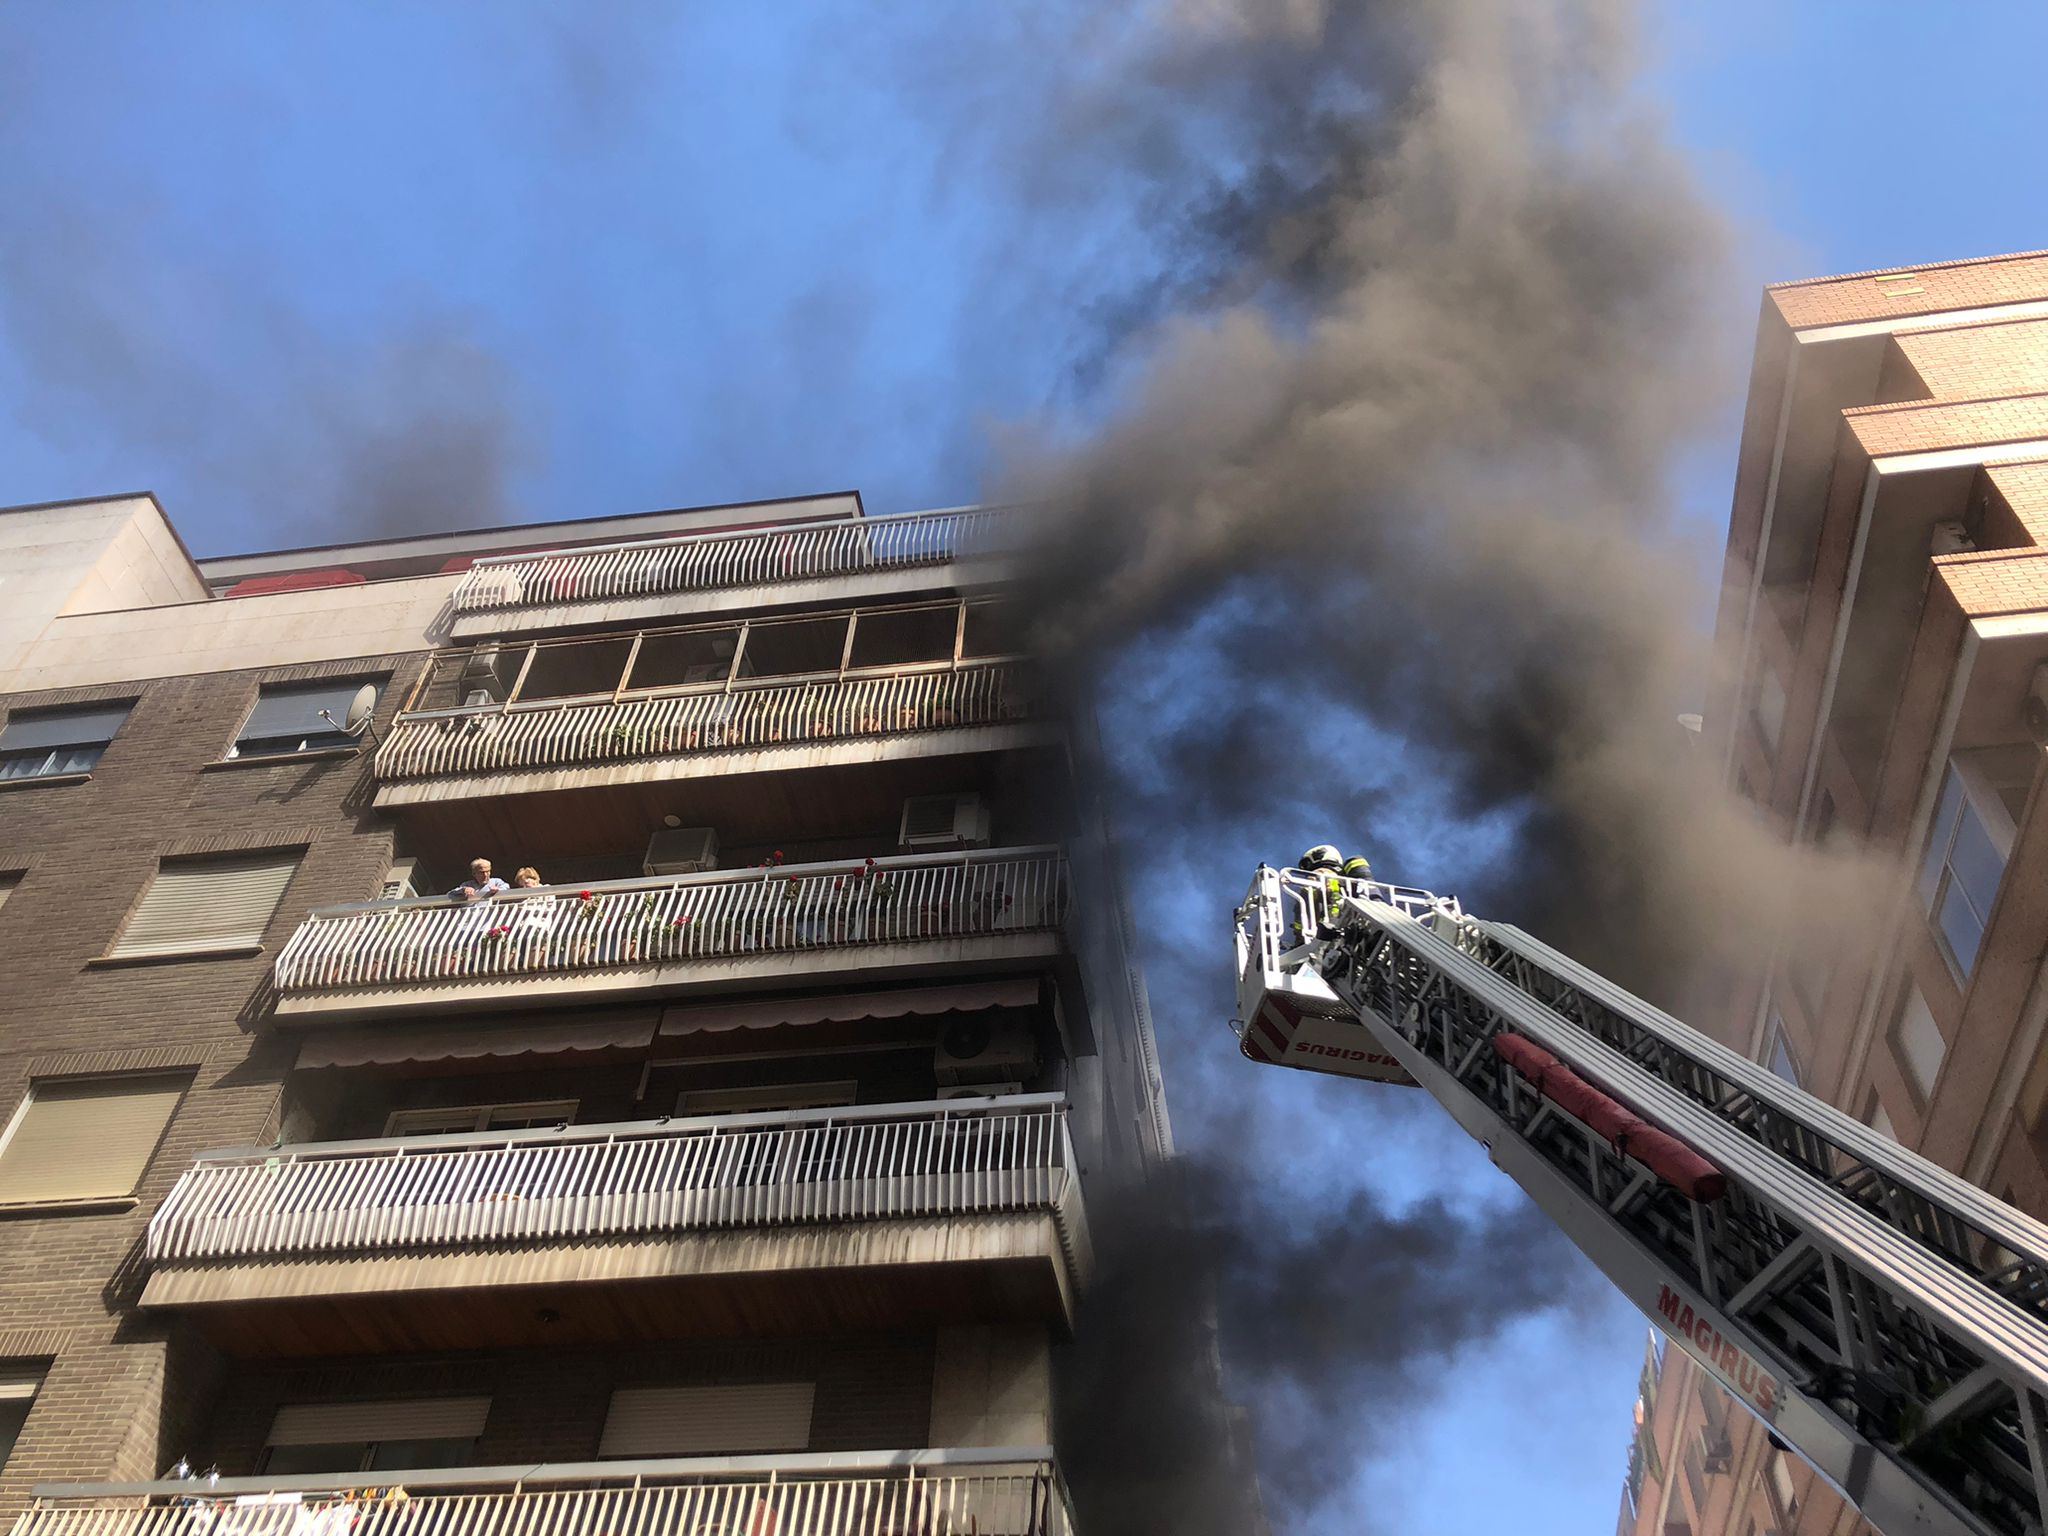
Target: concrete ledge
[875, 962]
[950, 741]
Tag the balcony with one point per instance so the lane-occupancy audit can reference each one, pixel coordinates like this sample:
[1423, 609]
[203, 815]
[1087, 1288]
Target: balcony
[763, 1222]
[1013, 1491]
[878, 919]
[712, 700]
[631, 582]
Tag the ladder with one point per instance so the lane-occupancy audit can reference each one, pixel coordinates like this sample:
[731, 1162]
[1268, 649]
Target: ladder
[1886, 1318]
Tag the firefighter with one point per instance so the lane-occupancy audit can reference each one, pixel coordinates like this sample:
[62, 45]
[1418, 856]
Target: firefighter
[1357, 868]
[1327, 864]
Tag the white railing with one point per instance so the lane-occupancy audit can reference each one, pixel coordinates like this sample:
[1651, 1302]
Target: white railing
[628, 924]
[707, 561]
[1286, 907]
[853, 1494]
[426, 744]
[586, 1183]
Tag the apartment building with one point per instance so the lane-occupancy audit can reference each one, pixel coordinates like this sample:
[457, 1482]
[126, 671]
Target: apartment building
[1884, 621]
[730, 1173]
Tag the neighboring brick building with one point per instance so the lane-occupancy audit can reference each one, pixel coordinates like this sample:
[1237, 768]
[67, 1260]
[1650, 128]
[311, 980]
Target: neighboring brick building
[1884, 614]
[748, 1150]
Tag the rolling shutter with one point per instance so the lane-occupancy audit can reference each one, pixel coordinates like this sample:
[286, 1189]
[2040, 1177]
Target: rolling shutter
[20, 1383]
[709, 1421]
[283, 712]
[62, 728]
[86, 1140]
[209, 904]
[411, 1418]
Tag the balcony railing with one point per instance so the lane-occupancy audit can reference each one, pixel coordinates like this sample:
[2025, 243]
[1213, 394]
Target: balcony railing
[632, 924]
[539, 736]
[708, 561]
[618, 1182]
[1015, 1492]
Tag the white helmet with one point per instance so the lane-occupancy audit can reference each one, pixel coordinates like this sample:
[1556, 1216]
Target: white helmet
[1322, 856]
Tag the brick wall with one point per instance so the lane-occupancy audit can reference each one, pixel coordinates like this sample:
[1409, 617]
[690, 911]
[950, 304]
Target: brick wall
[1925, 290]
[1980, 362]
[86, 851]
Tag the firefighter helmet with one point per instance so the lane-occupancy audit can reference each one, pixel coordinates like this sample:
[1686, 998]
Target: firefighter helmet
[1322, 856]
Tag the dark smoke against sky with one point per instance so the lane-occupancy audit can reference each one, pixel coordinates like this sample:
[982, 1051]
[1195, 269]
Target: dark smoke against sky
[662, 255]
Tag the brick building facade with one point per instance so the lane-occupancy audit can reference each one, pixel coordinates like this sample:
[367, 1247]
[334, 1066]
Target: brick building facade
[1883, 626]
[756, 1163]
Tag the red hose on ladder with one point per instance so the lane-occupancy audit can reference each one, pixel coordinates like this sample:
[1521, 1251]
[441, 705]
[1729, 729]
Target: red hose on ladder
[1627, 1132]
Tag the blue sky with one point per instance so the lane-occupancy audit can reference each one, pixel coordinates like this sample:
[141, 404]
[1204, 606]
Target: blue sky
[304, 268]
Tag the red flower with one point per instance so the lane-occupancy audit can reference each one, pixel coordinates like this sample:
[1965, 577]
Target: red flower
[680, 921]
[778, 853]
[585, 896]
[838, 883]
[499, 933]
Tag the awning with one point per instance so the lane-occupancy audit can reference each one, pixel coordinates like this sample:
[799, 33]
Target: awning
[448, 1041]
[843, 1007]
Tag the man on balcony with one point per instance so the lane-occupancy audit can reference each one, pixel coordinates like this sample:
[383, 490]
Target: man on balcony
[480, 885]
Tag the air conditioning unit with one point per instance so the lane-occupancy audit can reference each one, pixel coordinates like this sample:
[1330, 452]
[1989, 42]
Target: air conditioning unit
[980, 1091]
[943, 821]
[398, 881]
[681, 851]
[1716, 1450]
[480, 684]
[974, 1049]
[1951, 537]
[2037, 705]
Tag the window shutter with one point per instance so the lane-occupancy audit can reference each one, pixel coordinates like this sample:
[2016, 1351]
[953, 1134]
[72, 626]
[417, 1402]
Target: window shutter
[296, 711]
[709, 1421]
[415, 1418]
[62, 728]
[86, 1140]
[214, 904]
[19, 1383]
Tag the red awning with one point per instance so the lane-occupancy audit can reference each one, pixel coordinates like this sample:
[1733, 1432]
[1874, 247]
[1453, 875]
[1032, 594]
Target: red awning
[844, 1007]
[296, 581]
[469, 1039]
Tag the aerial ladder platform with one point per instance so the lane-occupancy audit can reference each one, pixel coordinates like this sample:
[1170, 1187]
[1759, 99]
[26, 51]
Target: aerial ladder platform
[1885, 1318]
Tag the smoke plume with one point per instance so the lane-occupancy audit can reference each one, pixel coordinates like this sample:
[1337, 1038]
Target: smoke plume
[1384, 473]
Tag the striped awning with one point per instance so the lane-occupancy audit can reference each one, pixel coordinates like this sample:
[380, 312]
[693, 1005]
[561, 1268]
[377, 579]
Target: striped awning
[613, 1030]
[845, 1007]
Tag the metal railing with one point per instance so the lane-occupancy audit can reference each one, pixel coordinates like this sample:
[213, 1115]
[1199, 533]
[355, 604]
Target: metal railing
[854, 1494]
[629, 924]
[558, 734]
[708, 561]
[1286, 907]
[620, 1181]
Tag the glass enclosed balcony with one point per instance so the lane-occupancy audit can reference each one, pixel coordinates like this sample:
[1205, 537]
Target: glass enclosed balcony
[713, 699]
[855, 558]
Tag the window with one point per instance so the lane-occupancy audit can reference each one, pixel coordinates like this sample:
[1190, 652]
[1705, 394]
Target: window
[1966, 852]
[201, 906]
[52, 742]
[85, 1138]
[1918, 1041]
[288, 719]
[19, 1384]
[1769, 708]
[391, 1436]
[709, 1421]
[481, 1117]
[1781, 1060]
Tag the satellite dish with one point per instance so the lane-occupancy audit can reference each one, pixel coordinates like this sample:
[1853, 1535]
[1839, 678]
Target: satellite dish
[360, 709]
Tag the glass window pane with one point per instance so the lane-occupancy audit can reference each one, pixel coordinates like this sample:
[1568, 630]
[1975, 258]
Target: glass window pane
[1961, 927]
[1975, 862]
[13, 1414]
[402, 1455]
[1938, 838]
[289, 719]
[63, 727]
[289, 1460]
